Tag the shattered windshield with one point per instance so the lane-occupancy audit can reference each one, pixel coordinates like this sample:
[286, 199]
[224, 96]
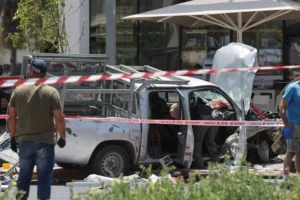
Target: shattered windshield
[209, 95]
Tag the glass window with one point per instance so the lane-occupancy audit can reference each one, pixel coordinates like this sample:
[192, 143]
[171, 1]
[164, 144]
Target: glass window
[98, 26]
[209, 95]
[207, 104]
[267, 39]
[200, 44]
[126, 33]
[10, 57]
[158, 42]
[292, 31]
[294, 56]
[125, 30]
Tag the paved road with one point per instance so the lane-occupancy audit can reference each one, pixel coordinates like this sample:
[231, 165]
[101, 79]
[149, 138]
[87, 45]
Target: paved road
[61, 191]
[58, 192]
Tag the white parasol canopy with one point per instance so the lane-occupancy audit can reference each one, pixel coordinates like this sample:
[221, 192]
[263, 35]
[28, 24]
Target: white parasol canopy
[237, 15]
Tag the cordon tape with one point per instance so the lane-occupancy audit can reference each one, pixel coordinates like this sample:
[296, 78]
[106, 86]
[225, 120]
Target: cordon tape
[186, 122]
[14, 81]
[77, 79]
[178, 122]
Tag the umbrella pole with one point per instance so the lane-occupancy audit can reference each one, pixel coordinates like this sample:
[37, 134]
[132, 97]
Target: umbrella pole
[242, 145]
[240, 28]
[241, 151]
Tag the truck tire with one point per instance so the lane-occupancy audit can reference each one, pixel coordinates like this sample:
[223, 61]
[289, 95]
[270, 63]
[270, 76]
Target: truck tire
[111, 161]
[263, 152]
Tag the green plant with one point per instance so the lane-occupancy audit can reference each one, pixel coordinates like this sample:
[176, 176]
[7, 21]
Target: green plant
[42, 25]
[220, 184]
[10, 194]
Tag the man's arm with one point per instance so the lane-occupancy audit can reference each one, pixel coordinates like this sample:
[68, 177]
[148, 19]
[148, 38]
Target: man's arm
[60, 123]
[12, 121]
[282, 110]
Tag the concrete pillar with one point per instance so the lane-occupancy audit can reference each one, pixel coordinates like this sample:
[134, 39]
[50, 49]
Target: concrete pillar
[111, 31]
[78, 26]
[85, 27]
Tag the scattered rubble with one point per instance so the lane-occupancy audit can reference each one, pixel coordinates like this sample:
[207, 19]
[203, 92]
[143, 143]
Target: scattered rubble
[134, 180]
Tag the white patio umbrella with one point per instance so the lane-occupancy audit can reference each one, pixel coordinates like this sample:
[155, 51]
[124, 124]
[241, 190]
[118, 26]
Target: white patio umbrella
[237, 15]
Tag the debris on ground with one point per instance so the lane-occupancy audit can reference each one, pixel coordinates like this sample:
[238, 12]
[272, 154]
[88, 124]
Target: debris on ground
[100, 181]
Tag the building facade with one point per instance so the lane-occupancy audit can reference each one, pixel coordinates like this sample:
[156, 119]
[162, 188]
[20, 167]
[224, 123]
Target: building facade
[170, 47]
[162, 45]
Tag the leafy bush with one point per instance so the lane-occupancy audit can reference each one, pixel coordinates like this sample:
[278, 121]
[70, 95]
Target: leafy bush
[10, 194]
[220, 184]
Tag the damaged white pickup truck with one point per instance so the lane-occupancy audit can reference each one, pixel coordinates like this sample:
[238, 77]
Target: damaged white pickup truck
[113, 147]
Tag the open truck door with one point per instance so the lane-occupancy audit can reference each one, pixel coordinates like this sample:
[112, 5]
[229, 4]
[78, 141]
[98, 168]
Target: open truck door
[185, 137]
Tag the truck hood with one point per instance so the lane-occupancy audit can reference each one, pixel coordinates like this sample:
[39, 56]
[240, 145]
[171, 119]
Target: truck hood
[238, 85]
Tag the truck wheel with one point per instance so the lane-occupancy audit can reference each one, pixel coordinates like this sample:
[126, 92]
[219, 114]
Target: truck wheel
[263, 151]
[111, 160]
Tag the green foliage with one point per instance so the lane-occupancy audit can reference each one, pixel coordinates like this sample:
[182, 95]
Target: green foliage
[10, 194]
[41, 25]
[220, 184]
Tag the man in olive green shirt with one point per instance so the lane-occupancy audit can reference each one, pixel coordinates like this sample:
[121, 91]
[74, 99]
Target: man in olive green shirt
[31, 125]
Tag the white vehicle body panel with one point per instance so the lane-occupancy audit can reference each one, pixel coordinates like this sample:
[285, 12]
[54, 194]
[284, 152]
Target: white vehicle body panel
[80, 142]
[83, 136]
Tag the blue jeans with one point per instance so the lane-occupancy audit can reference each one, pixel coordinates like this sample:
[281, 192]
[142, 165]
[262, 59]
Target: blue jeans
[39, 154]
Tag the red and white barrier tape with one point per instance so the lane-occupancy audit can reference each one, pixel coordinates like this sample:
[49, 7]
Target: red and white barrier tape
[78, 79]
[10, 77]
[177, 122]
[185, 122]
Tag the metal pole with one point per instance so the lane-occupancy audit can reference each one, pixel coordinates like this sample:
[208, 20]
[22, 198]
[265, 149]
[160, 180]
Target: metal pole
[240, 27]
[131, 96]
[111, 31]
[242, 145]
[64, 87]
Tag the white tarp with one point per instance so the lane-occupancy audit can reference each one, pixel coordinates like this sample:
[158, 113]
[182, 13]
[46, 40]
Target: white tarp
[237, 85]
